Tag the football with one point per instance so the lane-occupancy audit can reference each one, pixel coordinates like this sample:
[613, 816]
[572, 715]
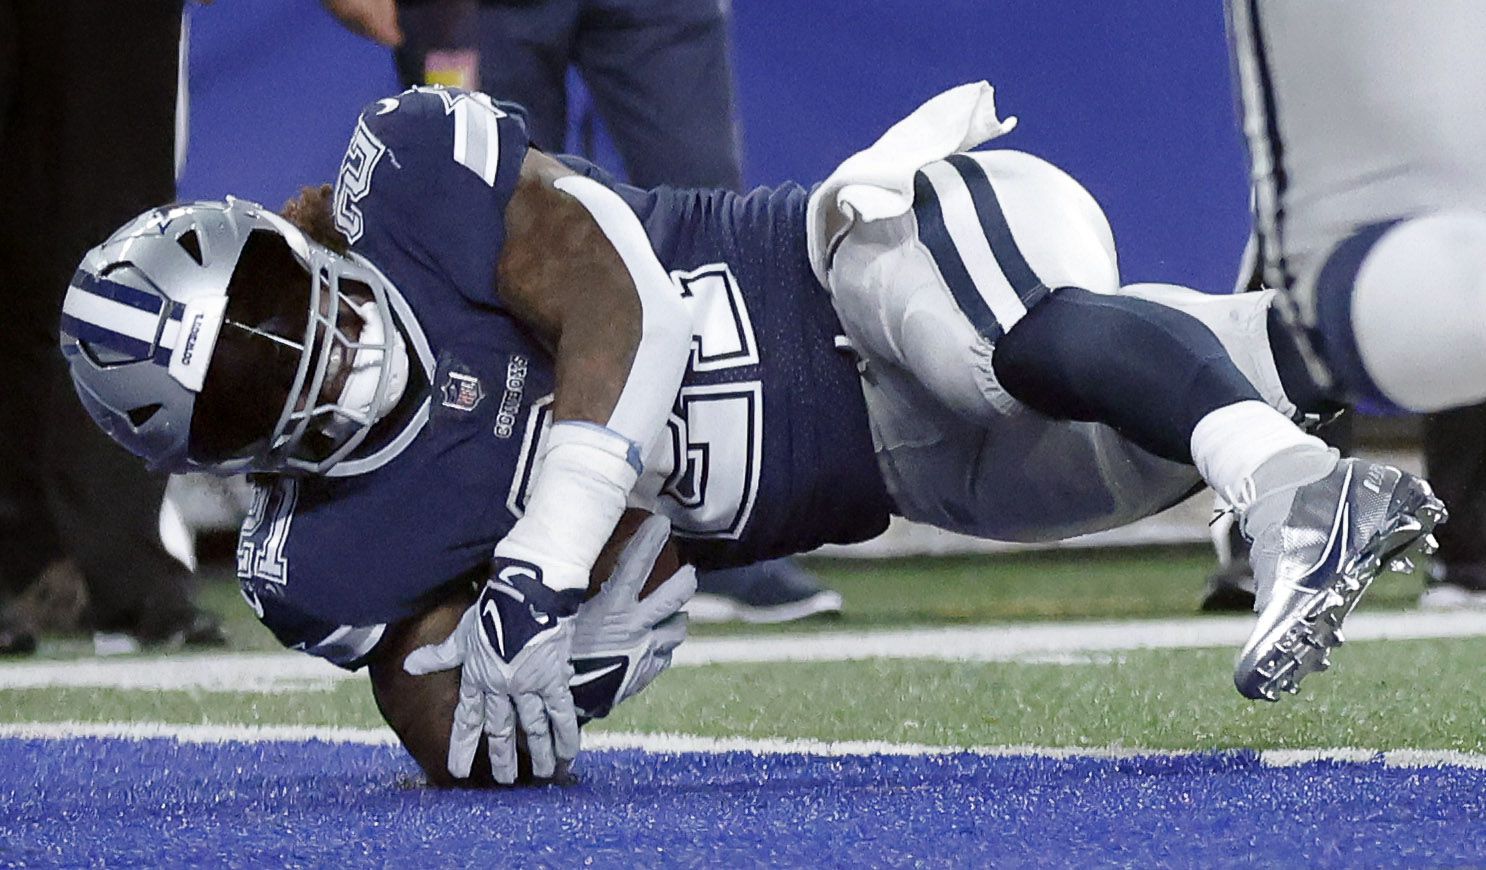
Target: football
[666, 564]
[421, 709]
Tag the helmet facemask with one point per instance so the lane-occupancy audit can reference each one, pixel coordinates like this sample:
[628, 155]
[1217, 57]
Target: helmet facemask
[309, 358]
[215, 337]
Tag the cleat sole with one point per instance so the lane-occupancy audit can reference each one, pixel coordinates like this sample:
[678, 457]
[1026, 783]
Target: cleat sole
[1303, 640]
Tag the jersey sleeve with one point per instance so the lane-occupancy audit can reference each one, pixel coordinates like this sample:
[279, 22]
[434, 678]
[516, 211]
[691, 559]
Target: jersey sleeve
[431, 171]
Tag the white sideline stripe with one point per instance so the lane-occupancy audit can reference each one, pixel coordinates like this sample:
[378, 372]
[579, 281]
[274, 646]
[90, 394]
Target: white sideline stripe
[230, 672]
[1052, 644]
[690, 744]
[1022, 641]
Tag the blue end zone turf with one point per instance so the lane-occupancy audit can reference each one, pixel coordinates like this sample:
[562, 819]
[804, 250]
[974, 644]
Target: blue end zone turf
[159, 802]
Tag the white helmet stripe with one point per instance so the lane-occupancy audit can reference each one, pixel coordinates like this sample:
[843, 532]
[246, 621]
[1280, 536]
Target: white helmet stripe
[114, 316]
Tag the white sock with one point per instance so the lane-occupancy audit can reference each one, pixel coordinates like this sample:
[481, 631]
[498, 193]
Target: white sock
[1229, 445]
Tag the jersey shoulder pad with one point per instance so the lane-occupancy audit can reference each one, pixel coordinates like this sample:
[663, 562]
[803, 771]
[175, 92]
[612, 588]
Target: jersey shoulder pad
[432, 169]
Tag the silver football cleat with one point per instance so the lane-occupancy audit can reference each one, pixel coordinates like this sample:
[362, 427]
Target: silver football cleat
[1313, 565]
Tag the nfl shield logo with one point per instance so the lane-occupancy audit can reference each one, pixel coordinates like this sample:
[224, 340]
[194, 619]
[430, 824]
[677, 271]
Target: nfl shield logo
[462, 392]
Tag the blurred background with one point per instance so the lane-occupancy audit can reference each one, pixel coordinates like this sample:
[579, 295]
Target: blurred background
[1133, 99]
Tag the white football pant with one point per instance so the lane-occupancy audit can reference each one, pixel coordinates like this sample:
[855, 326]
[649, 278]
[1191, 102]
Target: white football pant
[957, 451]
[1360, 113]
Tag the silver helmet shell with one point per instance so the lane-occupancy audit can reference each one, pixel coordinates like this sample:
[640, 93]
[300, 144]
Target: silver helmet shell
[147, 308]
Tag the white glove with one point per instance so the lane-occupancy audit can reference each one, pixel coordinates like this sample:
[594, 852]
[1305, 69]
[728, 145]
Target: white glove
[620, 643]
[514, 643]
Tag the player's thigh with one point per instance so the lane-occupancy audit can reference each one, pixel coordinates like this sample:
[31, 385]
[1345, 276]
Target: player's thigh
[1357, 116]
[930, 291]
[1025, 479]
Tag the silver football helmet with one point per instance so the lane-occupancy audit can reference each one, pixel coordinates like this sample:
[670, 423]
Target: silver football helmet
[216, 337]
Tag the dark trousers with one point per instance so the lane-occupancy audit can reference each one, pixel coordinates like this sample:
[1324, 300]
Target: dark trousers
[87, 133]
[1455, 458]
[659, 71]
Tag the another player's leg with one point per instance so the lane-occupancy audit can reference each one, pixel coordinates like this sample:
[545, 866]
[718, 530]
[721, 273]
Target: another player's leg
[1370, 199]
[1395, 314]
[779, 590]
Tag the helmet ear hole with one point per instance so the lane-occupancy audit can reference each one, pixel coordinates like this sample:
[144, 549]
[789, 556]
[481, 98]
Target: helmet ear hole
[190, 242]
[142, 414]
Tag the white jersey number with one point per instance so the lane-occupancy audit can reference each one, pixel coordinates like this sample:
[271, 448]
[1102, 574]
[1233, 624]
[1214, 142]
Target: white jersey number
[354, 181]
[711, 452]
[265, 532]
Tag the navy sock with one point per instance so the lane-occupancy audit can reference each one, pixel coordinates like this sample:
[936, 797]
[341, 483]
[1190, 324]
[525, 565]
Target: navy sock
[1300, 386]
[1149, 371]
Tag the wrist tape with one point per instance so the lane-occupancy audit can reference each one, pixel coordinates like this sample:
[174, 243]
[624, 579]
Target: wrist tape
[584, 480]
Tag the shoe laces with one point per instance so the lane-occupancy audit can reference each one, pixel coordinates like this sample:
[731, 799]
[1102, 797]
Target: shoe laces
[1239, 503]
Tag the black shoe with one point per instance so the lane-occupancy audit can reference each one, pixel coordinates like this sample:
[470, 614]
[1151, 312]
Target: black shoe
[203, 630]
[775, 591]
[15, 640]
[1230, 587]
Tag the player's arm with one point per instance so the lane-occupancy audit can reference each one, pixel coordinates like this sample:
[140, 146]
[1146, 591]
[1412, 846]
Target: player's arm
[578, 270]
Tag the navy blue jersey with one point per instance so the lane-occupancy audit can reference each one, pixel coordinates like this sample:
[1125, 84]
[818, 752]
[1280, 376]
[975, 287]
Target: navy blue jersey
[767, 451]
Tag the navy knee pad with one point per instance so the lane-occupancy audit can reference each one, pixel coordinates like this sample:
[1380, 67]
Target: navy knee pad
[1149, 371]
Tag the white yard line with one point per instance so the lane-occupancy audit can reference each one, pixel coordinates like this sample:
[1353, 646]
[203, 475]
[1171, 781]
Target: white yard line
[1058, 643]
[219, 672]
[693, 744]
[1049, 641]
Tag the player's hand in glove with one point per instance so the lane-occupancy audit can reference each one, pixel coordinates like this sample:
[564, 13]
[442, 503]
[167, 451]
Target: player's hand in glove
[620, 642]
[514, 645]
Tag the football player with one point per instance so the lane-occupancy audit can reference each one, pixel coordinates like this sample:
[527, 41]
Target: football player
[466, 361]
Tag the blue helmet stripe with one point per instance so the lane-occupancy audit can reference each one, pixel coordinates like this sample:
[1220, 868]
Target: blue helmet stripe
[117, 292]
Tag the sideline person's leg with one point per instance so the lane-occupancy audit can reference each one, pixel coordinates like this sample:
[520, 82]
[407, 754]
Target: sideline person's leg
[95, 156]
[661, 74]
[1455, 457]
[27, 538]
[118, 150]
